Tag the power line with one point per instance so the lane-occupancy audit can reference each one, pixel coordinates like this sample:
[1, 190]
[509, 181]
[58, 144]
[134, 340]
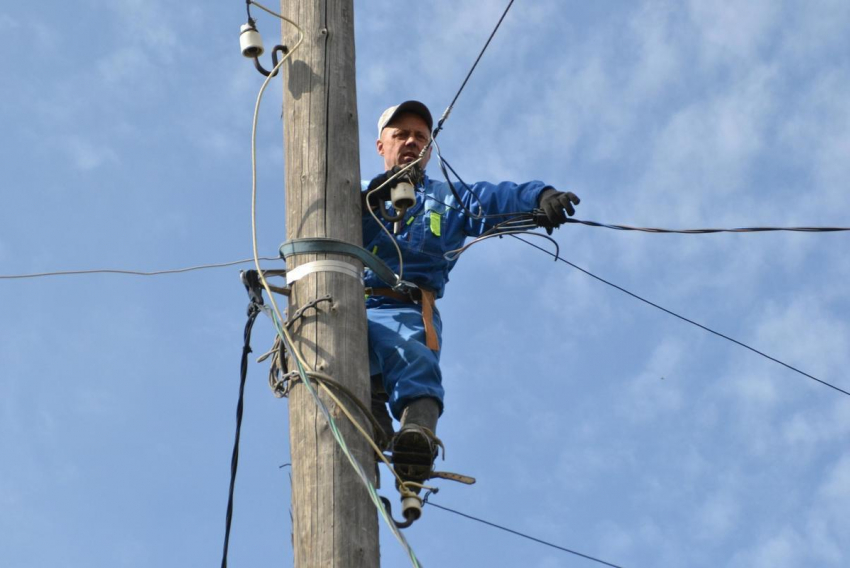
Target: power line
[683, 318]
[468, 75]
[131, 272]
[253, 311]
[500, 527]
[569, 220]
[706, 231]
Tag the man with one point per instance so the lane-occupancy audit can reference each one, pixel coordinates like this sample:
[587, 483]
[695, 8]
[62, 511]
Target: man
[405, 328]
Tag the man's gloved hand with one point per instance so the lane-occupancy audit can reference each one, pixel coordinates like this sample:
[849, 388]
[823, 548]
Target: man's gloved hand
[413, 175]
[384, 193]
[553, 204]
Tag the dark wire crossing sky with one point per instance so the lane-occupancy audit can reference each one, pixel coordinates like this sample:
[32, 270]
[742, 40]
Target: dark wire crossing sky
[589, 421]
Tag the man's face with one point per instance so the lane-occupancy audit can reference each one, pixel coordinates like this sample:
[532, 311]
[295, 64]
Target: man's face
[402, 140]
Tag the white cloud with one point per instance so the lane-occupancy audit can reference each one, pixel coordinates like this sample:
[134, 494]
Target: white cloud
[817, 133]
[658, 389]
[807, 431]
[659, 57]
[218, 142]
[717, 516]
[149, 23]
[7, 22]
[730, 30]
[782, 550]
[806, 330]
[818, 27]
[834, 494]
[126, 65]
[86, 155]
[703, 151]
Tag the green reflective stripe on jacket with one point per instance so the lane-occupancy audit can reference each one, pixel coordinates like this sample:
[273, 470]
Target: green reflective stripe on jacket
[435, 223]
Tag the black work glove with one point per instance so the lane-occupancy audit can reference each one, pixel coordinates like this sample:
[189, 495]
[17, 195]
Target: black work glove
[553, 204]
[413, 175]
[384, 193]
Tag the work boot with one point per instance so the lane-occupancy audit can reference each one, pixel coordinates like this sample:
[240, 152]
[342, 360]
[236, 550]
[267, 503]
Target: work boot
[379, 401]
[414, 448]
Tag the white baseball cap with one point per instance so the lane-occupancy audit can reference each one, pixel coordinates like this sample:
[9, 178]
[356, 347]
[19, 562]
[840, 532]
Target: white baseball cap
[414, 107]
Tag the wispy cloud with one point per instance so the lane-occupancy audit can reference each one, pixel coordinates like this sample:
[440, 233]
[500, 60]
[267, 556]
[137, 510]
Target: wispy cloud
[7, 22]
[87, 155]
[657, 390]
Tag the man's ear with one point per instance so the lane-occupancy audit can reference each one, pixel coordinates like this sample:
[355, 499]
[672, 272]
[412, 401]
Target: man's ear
[380, 147]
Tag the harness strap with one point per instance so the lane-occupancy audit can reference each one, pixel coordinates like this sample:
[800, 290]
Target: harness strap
[424, 298]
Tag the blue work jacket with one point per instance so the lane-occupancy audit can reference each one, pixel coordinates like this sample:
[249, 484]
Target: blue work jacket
[437, 224]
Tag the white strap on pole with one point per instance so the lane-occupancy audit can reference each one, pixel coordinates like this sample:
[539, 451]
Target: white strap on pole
[339, 266]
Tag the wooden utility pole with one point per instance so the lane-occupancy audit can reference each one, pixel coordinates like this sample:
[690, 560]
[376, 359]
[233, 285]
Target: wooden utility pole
[335, 523]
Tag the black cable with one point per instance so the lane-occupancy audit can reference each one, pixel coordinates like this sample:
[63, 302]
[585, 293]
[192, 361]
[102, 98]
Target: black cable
[253, 310]
[717, 333]
[466, 211]
[494, 525]
[706, 231]
[468, 75]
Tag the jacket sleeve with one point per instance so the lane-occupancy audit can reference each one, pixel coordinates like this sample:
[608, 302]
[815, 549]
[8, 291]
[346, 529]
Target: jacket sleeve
[500, 198]
[371, 229]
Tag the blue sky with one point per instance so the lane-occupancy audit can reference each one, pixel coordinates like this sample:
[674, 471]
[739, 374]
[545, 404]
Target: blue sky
[591, 420]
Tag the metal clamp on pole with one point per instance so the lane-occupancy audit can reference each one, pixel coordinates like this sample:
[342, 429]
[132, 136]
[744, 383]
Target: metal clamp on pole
[321, 245]
[338, 266]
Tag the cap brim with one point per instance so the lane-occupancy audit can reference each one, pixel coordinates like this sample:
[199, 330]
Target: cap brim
[414, 107]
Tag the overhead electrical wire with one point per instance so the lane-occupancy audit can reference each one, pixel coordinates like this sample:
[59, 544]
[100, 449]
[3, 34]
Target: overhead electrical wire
[540, 541]
[132, 272]
[468, 75]
[683, 318]
[447, 112]
[253, 311]
[525, 223]
[708, 231]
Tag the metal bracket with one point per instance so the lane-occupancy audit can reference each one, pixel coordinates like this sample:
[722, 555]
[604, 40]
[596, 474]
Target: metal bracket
[408, 520]
[311, 304]
[259, 66]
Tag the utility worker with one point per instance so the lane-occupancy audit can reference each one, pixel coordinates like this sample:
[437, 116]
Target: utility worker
[405, 327]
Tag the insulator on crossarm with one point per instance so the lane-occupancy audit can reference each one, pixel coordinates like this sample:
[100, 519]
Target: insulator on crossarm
[250, 41]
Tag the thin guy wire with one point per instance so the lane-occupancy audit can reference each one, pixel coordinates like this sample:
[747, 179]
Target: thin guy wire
[708, 329]
[468, 75]
[494, 525]
[133, 272]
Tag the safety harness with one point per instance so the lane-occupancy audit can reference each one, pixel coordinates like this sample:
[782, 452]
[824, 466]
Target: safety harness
[398, 289]
[421, 296]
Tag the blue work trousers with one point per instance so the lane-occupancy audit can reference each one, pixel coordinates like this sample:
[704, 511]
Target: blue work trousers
[398, 352]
